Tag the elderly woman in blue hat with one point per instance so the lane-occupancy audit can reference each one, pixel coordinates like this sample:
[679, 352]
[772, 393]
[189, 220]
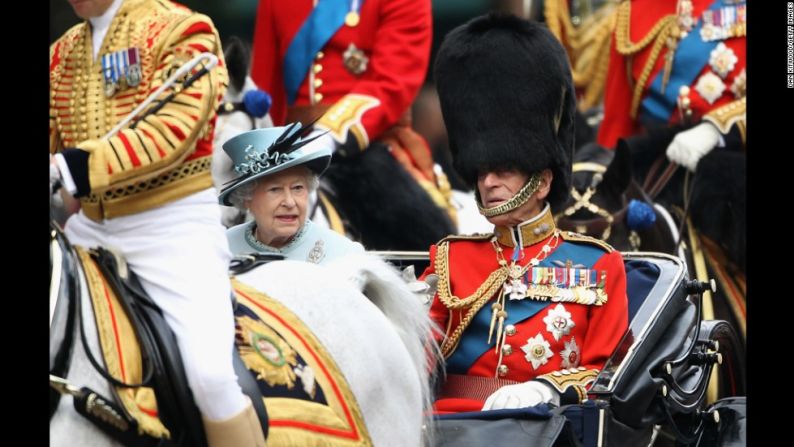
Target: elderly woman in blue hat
[278, 174]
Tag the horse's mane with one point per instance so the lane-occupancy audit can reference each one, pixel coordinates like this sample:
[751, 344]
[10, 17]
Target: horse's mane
[381, 283]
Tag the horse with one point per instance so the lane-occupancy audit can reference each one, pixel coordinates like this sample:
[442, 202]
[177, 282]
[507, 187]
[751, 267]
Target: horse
[604, 184]
[366, 359]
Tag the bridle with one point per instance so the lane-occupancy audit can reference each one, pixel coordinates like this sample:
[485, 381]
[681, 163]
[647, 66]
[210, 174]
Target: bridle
[602, 224]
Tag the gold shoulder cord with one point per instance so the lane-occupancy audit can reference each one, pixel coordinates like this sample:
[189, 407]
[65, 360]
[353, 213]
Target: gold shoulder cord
[664, 28]
[476, 300]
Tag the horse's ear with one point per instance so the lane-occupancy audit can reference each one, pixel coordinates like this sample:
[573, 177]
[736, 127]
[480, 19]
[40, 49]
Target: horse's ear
[237, 59]
[618, 173]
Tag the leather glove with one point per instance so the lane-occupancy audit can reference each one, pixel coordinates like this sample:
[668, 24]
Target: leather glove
[689, 146]
[521, 395]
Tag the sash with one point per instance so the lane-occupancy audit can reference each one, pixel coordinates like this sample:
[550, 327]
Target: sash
[691, 55]
[472, 346]
[324, 21]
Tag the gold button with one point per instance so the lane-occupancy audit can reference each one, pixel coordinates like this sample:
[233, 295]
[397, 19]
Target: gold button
[318, 97]
[228, 107]
[320, 55]
[318, 82]
[502, 370]
[507, 350]
[684, 90]
[510, 329]
[317, 68]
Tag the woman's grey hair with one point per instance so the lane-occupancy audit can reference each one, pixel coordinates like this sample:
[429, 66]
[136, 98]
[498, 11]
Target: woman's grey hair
[243, 193]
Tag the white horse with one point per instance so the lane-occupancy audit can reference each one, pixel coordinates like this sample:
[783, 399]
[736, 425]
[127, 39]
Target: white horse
[359, 309]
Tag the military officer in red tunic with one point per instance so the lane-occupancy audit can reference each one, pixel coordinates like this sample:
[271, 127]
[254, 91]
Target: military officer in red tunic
[529, 313]
[679, 62]
[357, 65]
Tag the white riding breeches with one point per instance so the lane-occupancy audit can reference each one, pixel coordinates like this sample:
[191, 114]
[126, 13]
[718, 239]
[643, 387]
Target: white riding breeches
[181, 256]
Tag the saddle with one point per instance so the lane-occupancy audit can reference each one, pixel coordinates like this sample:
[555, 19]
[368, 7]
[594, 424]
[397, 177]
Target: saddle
[156, 403]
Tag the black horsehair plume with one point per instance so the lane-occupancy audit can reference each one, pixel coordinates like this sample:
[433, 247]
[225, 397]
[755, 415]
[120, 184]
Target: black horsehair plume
[285, 142]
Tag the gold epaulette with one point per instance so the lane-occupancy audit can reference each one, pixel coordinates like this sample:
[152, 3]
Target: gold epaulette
[724, 117]
[570, 236]
[564, 379]
[466, 237]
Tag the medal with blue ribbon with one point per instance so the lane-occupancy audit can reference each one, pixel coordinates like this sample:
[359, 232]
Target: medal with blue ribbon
[123, 66]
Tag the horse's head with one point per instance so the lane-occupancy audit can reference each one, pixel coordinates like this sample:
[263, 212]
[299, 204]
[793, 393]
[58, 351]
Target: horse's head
[601, 202]
[597, 201]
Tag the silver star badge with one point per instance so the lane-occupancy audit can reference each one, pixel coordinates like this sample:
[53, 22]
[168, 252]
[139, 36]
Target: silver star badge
[558, 322]
[537, 350]
[570, 355]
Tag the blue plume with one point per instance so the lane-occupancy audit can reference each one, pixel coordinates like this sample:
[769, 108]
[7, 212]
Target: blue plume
[257, 102]
[640, 215]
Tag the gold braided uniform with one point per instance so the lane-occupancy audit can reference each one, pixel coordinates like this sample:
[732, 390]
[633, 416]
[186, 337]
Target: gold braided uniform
[167, 155]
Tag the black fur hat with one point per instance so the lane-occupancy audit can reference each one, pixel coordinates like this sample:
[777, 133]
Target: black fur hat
[507, 98]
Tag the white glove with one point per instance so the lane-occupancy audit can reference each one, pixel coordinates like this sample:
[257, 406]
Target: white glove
[521, 395]
[688, 147]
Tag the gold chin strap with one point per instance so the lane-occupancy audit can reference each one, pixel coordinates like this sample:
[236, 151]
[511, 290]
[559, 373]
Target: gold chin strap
[516, 201]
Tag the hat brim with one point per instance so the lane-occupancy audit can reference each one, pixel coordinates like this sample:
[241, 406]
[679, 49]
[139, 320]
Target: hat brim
[317, 161]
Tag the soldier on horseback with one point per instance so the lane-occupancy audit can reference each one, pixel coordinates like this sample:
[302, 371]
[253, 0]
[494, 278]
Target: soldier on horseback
[146, 190]
[531, 312]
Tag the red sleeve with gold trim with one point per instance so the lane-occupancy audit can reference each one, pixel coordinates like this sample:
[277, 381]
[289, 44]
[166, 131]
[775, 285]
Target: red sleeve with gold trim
[177, 131]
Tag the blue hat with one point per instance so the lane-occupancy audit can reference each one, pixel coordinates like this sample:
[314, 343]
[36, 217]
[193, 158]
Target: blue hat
[262, 152]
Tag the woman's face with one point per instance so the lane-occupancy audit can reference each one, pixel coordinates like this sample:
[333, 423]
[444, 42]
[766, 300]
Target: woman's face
[279, 204]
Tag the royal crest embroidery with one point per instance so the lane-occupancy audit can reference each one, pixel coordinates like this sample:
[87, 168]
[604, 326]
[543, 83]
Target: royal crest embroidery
[710, 87]
[355, 60]
[722, 60]
[558, 322]
[570, 354]
[537, 351]
[264, 352]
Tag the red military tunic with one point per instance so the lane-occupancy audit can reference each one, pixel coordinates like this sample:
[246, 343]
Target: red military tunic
[632, 71]
[361, 83]
[395, 37]
[540, 337]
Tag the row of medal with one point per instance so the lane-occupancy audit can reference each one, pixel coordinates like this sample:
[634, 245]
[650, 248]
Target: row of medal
[121, 69]
[718, 24]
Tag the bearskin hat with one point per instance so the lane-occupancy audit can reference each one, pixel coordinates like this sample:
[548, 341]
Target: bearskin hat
[507, 98]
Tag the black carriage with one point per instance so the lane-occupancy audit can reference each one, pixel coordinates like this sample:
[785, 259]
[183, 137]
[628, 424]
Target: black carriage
[652, 391]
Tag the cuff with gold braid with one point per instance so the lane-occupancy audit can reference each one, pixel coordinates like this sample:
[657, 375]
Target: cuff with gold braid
[570, 383]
